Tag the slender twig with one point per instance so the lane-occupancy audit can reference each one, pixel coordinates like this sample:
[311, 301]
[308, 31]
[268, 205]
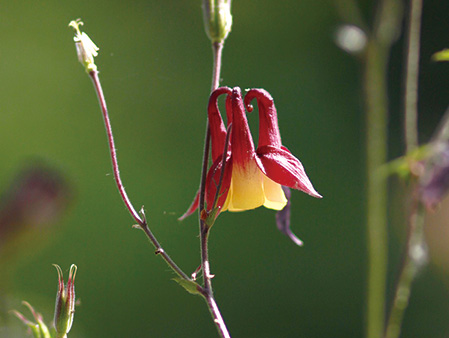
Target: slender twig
[414, 254]
[217, 48]
[142, 223]
[207, 290]
[102, 101]
[411, 77]
[376, 97]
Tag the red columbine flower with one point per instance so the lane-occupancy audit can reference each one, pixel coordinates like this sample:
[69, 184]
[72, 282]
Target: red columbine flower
[252, 177]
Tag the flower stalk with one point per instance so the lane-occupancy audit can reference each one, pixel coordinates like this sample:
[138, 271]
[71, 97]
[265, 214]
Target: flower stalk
[217, 21]
[411, 76]
[86, 57]
[376, 101]
[140, 219]
[384, 33]
[415, 255]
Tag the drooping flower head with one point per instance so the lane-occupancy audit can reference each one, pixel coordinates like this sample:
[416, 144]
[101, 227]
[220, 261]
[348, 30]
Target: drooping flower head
[252, 177]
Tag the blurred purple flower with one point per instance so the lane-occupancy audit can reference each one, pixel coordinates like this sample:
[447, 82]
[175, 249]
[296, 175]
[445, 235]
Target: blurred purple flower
[435, 180]
[36, 198]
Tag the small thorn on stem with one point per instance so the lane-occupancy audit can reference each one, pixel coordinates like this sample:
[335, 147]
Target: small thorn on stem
[142, 213]
[196, 272]
[159, 251]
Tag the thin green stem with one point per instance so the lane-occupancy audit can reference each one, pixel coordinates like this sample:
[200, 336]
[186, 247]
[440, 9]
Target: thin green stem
[414, 255]
[412, 73]
[385, 31]
[217, 49]
[376, 122]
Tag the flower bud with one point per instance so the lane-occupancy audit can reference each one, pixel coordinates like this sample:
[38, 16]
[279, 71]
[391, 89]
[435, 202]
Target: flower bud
[38, 329]
[65, 302]
[85, 47]
[217, 19]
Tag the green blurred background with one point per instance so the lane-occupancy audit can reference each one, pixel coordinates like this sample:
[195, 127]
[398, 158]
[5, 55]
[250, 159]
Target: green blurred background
[155, 65]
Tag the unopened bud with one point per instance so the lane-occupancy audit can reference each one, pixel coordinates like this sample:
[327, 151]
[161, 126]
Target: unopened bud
[217, 19]
[38, 329]
[85, 47]
[65, 302]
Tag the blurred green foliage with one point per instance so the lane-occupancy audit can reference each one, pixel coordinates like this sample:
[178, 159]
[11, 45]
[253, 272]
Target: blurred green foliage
[155, 65]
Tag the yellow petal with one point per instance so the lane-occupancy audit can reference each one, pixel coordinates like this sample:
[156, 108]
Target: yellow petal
[274, 195]
[246, 190]
[250, 189]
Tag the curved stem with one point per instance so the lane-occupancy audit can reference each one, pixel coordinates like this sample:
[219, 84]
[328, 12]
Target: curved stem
[102, 101]
[142, 223]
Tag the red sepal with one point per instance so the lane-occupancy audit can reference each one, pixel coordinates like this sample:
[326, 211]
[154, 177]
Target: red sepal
[281, 166]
